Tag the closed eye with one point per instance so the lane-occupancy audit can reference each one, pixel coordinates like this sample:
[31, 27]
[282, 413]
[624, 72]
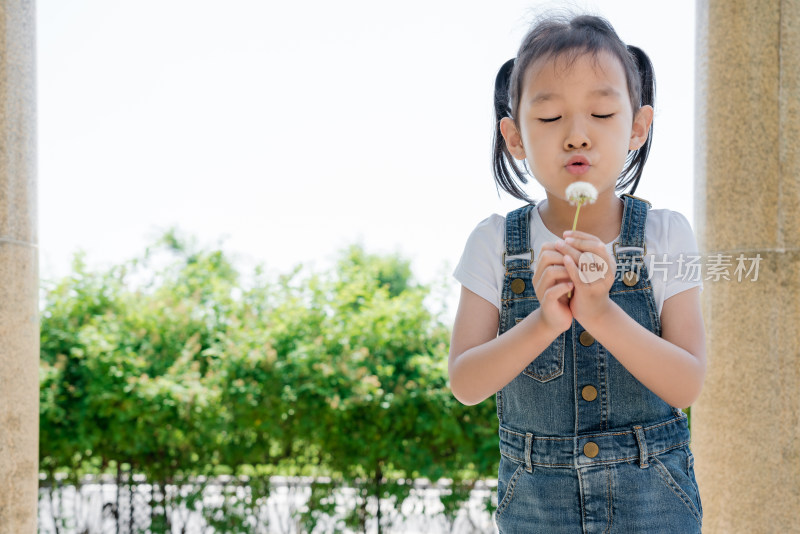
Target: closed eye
[550, 120]
[602, 116]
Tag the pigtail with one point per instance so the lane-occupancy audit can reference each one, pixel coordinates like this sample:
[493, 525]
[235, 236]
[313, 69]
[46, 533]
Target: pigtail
[634, 165]
[504, 166]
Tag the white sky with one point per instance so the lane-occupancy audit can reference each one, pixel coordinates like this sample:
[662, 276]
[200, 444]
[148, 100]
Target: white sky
[289, 130]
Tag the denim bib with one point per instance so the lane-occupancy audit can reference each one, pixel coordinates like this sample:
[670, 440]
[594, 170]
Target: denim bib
[575, 410]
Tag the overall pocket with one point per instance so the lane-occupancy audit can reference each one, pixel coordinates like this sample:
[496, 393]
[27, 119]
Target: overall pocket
[509, 474]
[676, 470]
[550, 363]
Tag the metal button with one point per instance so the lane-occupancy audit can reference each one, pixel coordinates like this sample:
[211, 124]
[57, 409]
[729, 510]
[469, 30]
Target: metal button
[591, 449]
[518, 285]
[586, 338]
[589, 393]
[629, 278]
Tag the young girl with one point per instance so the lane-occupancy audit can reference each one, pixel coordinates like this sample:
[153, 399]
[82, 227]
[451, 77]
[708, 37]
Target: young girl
[590, 372]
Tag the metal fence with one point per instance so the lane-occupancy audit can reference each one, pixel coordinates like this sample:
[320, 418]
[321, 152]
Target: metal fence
[105, 505]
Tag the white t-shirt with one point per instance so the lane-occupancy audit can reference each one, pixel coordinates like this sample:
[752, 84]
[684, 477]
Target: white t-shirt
[671, 258]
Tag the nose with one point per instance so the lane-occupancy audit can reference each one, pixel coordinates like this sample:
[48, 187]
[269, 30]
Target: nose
[576, 137]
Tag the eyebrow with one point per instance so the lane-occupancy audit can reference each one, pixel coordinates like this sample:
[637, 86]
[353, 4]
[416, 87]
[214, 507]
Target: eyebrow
[604, 91]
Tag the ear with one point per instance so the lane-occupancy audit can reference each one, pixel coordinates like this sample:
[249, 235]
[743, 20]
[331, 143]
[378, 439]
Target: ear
[512, 138]
[641, 127]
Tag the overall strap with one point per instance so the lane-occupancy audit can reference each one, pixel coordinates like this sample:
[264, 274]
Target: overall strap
[631, 245]
[518, 239]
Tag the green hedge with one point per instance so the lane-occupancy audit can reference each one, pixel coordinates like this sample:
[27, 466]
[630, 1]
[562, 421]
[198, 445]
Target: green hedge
[178, 365]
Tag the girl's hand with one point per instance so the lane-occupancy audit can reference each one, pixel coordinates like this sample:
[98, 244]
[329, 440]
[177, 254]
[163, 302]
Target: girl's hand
[551, 282]
[591, 268]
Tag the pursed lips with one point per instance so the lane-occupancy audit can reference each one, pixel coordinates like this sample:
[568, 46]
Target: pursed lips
[577, 165]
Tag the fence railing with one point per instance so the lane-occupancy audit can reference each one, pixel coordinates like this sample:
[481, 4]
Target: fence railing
[283, 505]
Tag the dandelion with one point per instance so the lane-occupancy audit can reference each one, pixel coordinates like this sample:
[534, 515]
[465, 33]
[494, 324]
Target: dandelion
[579, 193]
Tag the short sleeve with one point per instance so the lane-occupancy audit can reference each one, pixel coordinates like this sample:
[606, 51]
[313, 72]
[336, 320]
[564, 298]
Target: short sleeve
[684, 258]
[480, 269]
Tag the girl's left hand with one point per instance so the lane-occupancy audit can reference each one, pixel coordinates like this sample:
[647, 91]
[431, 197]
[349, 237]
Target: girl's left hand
[591, 269]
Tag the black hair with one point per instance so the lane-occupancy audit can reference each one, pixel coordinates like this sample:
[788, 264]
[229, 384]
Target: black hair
[569, 38]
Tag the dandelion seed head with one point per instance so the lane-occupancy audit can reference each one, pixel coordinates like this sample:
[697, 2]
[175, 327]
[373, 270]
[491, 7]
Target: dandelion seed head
[581, 192]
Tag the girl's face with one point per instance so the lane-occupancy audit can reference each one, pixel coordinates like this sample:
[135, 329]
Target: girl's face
[576, 122]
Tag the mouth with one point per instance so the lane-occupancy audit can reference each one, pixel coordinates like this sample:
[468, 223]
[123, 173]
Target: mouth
[577, 165]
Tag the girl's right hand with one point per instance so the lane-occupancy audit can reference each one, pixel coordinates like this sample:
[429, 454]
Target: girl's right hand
[551, 282]
[481, 362]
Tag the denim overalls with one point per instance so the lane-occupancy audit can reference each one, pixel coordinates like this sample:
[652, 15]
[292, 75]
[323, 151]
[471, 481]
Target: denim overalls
[585, 447]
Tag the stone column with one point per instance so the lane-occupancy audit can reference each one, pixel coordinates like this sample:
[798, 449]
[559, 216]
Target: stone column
[746, 424]
[19, 318]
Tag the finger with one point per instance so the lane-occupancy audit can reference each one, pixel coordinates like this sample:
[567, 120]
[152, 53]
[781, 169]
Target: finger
[599, 250]
[549, 278]
[550, 257]
[547, 245]
[572, 269]
[560, 290]
[567, 249]
[587, 245]
[553, 275]
[547, 259]
[547, 248]
[579, 234]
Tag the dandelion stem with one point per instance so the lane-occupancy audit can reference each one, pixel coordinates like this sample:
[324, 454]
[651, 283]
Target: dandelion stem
[575, 225]
[575, 222]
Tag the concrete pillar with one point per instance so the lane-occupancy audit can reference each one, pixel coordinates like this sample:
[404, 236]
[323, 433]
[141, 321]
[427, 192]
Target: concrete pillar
[19, 318]
[746, 424]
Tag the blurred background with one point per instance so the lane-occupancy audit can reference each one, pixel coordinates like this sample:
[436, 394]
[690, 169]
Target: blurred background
[287, 131]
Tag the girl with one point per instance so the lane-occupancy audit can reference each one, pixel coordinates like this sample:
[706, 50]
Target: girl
[590, 373]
